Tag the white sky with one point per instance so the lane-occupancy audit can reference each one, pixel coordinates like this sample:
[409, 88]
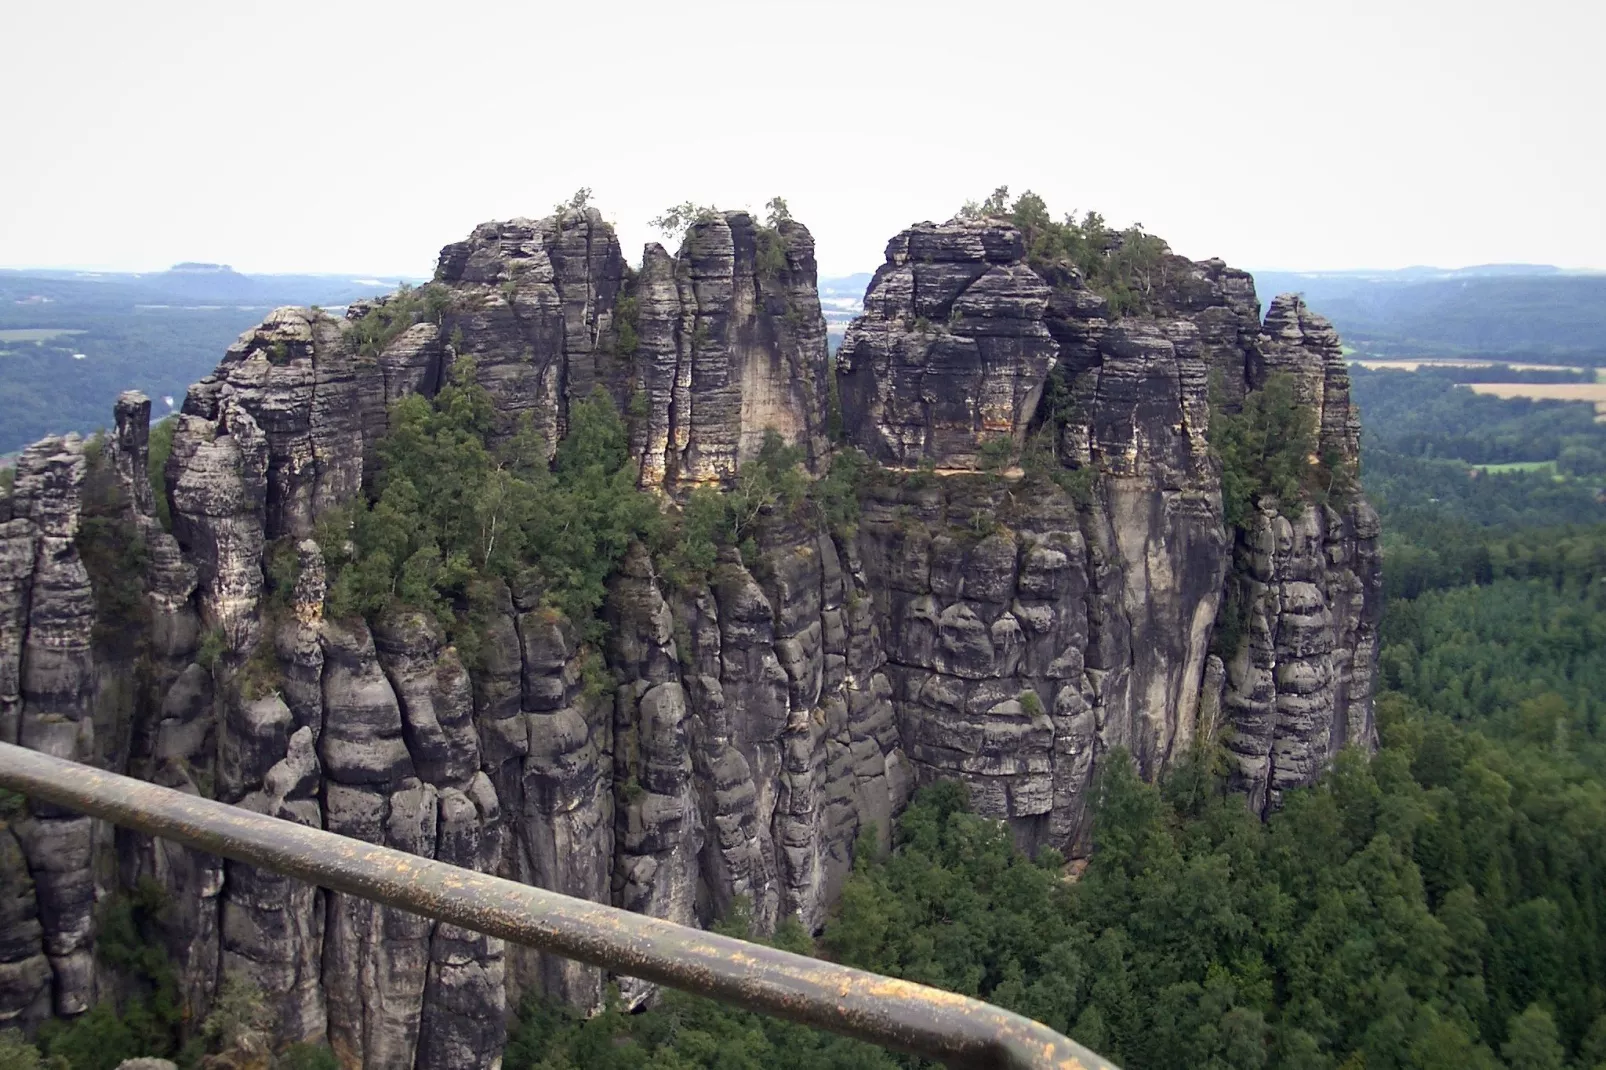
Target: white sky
[332, 136]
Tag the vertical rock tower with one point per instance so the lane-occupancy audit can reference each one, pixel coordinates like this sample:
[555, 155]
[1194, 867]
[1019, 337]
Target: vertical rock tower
[1065, 624]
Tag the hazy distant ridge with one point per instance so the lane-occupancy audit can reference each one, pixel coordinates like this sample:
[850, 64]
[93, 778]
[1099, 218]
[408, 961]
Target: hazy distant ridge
[157, 332]
[1527, 309]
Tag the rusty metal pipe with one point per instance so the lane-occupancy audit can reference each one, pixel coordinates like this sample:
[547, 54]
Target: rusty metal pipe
[959, 1031]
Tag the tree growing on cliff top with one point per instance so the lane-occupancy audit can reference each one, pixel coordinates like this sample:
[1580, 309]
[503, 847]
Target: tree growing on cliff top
[675, 220]
[995, 205]
[453, 513]
[579, 201]
[1269, 448]
[771, 254]
[1125, 267]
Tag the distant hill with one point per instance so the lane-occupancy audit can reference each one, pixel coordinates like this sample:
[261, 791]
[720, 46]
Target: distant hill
[1495, 309]
[842, 298]
[71, 341]
[188, 283]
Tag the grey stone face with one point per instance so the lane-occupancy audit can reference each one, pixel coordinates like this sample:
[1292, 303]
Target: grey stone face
[1152, 553]
[998, 631]
[952, 350]
[713, 347]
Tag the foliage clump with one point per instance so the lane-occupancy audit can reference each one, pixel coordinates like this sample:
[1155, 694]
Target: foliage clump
[239, 1022]
[772, 485]
[159, 450]
[578, 202]
[261, 674]
[211, 649]
[113, 551]
[147, 1018]
[771, 249]
[626, 324]
[773, 482]
[675, 220]
[1057, 411]
[836, 494]
[1126, 267]
[1268, 448]
[451, 515]
[16, 1053]
[996, 454]
[384, 322]
[307, 1056]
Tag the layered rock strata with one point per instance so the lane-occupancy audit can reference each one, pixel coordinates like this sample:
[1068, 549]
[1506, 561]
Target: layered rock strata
[707, 350]
[952, 351]
[1147, 551]
[727, 745]
[50, 664]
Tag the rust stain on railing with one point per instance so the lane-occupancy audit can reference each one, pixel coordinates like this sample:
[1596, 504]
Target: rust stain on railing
[954, 1029]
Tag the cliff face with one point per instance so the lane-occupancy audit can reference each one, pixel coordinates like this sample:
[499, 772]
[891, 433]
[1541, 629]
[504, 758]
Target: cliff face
[952, 350]
[1004, 629]
[1103, 609]
[1299, 686]
[712, 347]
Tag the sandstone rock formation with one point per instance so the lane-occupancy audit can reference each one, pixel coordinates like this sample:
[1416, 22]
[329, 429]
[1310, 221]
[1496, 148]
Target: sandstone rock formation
[729, 741]
[952, 350]
[55, 674]
[1146, 555]
[711, 347]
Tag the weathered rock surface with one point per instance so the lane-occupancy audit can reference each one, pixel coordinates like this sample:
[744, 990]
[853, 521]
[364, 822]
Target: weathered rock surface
[26, 974]
[1147, 548]
[1299, 688]
[751, 347]
[217, 486]
[729, 741]
[986, 630]
[298, 380]
[56, 681]
[1305, 346]
[951, 352]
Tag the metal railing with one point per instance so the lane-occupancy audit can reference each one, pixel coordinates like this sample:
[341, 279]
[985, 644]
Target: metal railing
[908, 1017]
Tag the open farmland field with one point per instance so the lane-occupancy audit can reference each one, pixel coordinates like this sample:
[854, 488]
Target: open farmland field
[1592, 392]
[1429, 362]
[1547, 467]
[34, 334]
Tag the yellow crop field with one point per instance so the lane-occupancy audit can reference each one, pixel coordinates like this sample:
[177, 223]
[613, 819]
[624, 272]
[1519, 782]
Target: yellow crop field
[1592, 392]
[1434, 362]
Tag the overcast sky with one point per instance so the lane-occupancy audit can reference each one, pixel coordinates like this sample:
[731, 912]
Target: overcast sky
[335, 136]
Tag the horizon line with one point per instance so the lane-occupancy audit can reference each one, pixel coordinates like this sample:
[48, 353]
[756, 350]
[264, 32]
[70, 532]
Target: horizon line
[409, 277]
